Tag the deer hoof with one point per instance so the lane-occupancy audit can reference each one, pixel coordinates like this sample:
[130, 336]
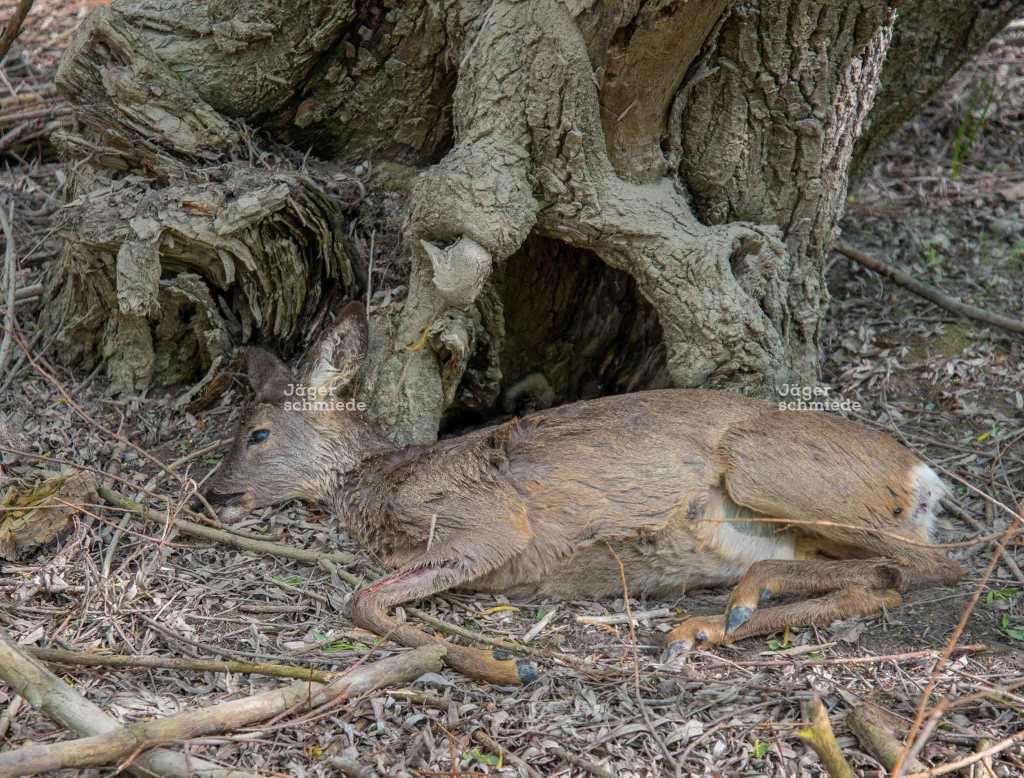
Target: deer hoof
[737, 617]
[528, 672]
[675, 649]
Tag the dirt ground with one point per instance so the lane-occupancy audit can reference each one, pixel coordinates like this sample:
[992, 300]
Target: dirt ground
[946, 204]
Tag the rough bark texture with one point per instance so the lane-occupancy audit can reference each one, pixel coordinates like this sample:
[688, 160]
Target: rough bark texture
[933, 39]
[598, 196]
[767, 134]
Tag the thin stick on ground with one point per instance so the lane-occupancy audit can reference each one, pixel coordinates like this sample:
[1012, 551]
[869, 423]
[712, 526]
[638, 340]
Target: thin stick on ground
[929, 293]
[631, 622]
[820, 737]
[10, 32]
[59, 656]
[913, 744]
[497, 749]
[959, 764]
[127, 743]
[10, 281]
[229, 538]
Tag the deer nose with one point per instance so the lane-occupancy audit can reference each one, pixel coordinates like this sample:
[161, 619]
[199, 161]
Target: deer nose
[216, 500]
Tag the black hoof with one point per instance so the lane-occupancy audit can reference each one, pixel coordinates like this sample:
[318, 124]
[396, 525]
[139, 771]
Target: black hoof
[675, 649]
[528, 672]
[737, 617]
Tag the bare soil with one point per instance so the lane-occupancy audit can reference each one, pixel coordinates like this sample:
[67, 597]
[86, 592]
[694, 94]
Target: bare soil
[950, 388]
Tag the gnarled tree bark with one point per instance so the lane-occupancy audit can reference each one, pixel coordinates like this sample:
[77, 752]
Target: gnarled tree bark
[595, 196]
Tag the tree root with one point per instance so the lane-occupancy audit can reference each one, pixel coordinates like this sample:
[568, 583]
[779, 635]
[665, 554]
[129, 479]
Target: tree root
[532, 156]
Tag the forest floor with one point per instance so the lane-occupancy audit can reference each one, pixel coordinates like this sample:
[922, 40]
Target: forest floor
[946, 204]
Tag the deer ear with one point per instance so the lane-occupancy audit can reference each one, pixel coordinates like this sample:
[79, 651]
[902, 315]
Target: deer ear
[335, 359]
[268, 375]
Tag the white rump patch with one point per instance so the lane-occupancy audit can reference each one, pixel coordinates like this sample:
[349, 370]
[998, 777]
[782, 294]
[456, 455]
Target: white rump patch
[928, 490]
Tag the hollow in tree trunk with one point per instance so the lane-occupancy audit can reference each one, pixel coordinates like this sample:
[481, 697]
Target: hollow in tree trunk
[567, 199]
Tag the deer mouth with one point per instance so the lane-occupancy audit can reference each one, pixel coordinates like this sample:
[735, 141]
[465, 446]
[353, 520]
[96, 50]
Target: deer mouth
[216, 500]
[222, 500]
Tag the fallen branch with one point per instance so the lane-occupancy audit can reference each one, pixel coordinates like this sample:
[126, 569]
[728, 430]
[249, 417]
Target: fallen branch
[14, 26]
[46, 692]
[54, 655]
[929, 292]
[819, 736]
[127, 742]
[229, 538]
[877, 737]
[621, 618]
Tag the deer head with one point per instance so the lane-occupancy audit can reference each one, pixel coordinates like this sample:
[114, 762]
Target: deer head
[304, 428]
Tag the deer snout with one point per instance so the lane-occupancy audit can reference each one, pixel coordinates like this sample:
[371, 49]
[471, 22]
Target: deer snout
[230, 506]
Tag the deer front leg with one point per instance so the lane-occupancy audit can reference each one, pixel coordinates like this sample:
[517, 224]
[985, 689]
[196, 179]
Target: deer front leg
[371, 606]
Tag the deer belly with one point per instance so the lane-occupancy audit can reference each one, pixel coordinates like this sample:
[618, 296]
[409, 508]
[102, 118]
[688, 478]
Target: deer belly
[711, 546]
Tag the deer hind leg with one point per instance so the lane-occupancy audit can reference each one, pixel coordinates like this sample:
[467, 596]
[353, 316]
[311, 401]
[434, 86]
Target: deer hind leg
[706, 631]
[440, 570]
[858, 587]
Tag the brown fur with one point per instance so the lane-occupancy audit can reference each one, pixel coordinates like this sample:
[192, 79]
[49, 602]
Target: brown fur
[667, 481]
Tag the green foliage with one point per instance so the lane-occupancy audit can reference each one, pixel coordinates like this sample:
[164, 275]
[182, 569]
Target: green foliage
[338, 645]
[777, 645]
[979, 107]
[760, 748]
[1006, 593]
[1013, 632]
[476, 755]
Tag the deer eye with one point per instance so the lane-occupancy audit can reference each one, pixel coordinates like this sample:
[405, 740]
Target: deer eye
[257, 436]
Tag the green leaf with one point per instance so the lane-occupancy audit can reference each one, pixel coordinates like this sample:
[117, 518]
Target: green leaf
[1006, 593]
[287, 580]
[1012, 632]
[760, 748]
[479, 756]
[775, 644]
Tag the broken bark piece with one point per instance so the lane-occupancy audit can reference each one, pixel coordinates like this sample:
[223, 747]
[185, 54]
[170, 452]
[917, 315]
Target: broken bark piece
[874, 728]
[36, 516]
[208, 261]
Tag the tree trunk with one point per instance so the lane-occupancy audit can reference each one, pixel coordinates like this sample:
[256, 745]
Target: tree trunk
[932, 41]
[568, 198]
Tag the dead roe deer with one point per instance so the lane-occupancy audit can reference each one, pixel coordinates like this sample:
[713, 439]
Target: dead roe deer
[670, 482]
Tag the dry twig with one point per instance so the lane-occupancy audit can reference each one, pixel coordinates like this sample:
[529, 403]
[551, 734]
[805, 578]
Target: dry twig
[930, 293]
[14, 26]
[10, 280]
